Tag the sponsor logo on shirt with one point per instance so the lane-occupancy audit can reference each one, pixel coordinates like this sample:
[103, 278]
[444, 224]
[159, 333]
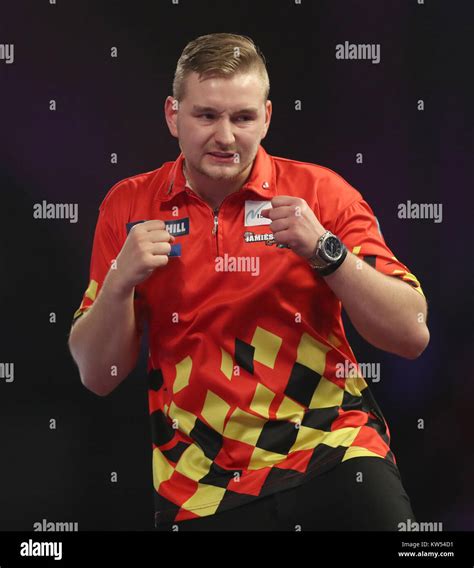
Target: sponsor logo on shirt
[180, 226]
[253, 211]
[267, 238]
[176, 227]
[130, 225]
[175, 250]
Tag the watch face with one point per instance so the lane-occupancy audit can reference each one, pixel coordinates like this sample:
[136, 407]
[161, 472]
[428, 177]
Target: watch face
[333, 247]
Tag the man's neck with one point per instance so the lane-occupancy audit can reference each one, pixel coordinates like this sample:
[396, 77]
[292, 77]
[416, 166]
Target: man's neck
[214, 196]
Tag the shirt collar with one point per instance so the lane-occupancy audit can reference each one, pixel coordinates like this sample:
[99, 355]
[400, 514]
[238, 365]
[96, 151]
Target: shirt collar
[262, 178]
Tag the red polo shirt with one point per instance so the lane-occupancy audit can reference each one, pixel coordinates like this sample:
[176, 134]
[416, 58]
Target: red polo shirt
[246, 342]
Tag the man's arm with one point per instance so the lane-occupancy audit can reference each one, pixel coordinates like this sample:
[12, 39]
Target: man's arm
[105, 338]
[387, 312]
[105, 342]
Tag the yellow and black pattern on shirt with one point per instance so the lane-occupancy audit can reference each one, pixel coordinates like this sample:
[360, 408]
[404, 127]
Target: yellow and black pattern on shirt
[91, 294]
[304, 419]
[89, 298]
[406, 276]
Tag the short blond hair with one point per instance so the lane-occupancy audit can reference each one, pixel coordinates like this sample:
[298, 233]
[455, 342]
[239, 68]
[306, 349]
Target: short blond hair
[219, 55]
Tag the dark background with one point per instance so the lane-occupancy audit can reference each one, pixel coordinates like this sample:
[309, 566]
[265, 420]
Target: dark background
[107, 105]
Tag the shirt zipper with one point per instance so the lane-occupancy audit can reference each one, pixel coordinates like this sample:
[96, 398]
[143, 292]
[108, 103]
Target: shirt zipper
[214, 213]
[215, 228]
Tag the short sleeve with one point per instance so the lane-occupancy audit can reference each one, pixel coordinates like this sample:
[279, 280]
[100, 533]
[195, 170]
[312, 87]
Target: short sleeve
[359, 230]
[107, 244]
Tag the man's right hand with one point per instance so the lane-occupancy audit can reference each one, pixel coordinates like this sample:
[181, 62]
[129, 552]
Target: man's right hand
[147, 247]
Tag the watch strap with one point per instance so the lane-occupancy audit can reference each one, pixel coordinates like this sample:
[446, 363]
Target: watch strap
[326, 271]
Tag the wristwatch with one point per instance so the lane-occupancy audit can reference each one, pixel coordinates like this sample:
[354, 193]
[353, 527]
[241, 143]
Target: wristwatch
[328, 254]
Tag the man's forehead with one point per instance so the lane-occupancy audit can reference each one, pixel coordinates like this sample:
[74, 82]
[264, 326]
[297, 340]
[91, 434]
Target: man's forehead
[218, 108]
[245, 86]
[238, 77]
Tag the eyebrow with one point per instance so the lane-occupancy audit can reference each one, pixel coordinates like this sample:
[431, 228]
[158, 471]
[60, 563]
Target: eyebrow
[197, 108]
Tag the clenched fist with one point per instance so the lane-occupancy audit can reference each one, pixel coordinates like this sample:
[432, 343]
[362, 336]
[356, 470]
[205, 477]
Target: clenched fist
[147, 247]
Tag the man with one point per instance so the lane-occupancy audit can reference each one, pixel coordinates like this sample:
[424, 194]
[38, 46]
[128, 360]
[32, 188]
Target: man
[239, 262]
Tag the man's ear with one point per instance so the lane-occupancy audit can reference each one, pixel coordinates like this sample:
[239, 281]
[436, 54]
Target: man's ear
[268, 116]
[171, 115]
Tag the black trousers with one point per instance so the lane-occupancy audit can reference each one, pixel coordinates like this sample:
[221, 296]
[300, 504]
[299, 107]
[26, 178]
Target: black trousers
[360, 494]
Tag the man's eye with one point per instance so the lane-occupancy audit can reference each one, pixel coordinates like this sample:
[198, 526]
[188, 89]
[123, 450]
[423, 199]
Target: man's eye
[240, 118]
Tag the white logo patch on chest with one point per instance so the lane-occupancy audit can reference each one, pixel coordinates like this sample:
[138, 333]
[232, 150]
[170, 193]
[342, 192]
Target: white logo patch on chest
[253, 211]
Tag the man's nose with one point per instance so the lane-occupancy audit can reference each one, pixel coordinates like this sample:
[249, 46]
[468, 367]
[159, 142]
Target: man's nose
[224, 134]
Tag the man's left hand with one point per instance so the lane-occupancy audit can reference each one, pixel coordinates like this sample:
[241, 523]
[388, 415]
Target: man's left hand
[294, 224]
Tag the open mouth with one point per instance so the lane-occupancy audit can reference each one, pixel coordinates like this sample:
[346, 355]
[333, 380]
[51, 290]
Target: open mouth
[222, 155]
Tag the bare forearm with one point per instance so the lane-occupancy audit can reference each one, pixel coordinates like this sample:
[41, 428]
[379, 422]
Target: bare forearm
[104, 341]
[386, 311]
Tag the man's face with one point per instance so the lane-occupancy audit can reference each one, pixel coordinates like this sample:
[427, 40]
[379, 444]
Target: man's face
[223, 115]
